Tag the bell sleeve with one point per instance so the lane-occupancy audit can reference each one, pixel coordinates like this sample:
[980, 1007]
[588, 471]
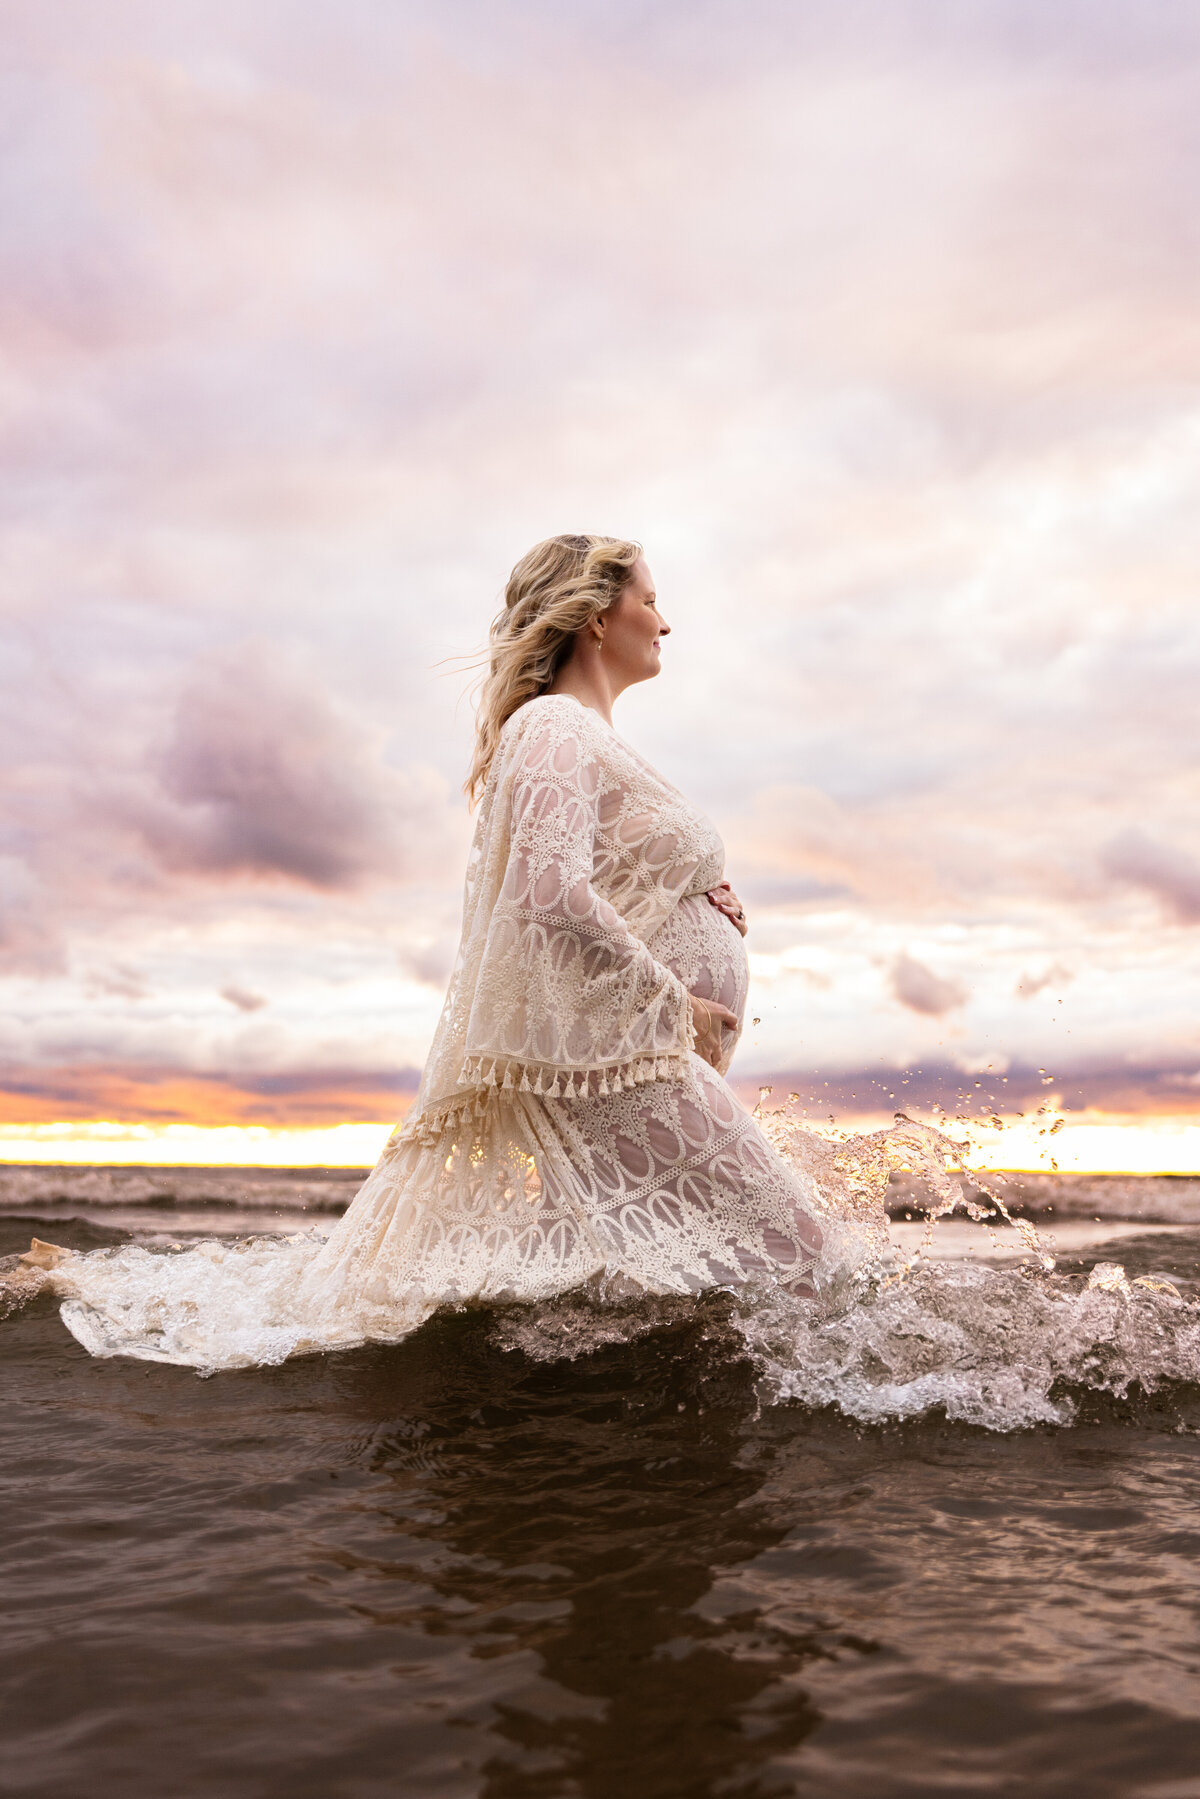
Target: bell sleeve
[567, 999]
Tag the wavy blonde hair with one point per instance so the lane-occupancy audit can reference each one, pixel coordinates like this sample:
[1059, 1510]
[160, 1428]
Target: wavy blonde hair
[556, 589]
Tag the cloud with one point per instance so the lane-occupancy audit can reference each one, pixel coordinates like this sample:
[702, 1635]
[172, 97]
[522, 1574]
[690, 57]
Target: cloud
[918, 988]
[1028, 986]
[1169, 873]
[119, 982]
[166, 1094]
[432, 962]
[243, 999]
[263, 775]
[1148, 1086]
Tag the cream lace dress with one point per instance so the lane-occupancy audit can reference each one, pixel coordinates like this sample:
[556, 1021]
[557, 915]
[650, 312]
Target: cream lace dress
[565, 1131]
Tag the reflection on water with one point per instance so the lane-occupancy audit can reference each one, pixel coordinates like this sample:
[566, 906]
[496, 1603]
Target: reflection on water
[586, 1510]
[453, 1568]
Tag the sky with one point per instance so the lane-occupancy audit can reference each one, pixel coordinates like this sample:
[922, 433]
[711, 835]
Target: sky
[877, 324]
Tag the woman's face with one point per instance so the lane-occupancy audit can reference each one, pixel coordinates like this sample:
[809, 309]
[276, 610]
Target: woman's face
[632, 628]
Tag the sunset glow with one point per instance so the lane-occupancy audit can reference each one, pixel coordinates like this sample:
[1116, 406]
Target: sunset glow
[1092, 1144]
[879, 335]
[189, 1145]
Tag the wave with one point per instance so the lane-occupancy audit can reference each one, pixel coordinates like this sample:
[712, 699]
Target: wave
[897, 1332]
[170, 1188]
[83, 1187]
[977, 1346]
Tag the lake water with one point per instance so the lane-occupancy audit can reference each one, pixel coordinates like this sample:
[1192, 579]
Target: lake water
[653, 1553]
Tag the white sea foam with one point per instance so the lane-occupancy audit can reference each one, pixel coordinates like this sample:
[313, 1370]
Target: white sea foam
[895, 1333]
[988, 1346]
[993, 1347]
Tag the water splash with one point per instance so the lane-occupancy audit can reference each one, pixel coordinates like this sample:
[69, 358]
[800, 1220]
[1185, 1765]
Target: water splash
[853, 1172]
[894, 1336]
[1110, 1277]
[986, 1346]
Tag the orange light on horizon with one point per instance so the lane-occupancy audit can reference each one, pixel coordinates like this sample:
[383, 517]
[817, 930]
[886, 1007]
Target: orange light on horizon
[1078, 1143]
[105, 1099]
[1088, 1143]
[1054, 1142]
[109, 1143]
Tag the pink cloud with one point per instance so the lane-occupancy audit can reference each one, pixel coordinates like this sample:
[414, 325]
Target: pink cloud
[918, 988]
[262, 775]
[877, 325]
[1162, 869]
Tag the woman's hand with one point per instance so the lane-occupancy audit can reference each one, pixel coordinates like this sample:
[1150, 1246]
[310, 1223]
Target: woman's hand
[726, 900]
[710, 1018]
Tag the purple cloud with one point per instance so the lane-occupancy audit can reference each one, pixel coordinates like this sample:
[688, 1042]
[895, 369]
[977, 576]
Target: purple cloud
[263, 776]
[1161, 869]
[243, 999]
[918, 988]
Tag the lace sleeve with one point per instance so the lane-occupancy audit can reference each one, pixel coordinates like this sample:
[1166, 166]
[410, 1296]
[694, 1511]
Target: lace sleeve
[567, 999]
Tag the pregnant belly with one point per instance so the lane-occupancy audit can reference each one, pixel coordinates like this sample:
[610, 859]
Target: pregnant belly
[708, 955]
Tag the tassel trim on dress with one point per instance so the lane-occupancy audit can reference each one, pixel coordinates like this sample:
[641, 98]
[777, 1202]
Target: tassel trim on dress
[479, 1074]
[559, 1083]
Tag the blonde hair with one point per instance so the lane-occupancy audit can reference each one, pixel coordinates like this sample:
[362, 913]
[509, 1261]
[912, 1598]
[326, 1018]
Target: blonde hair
[555, 590]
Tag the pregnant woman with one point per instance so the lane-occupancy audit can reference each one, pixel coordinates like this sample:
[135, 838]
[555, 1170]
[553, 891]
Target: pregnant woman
[572, 1123]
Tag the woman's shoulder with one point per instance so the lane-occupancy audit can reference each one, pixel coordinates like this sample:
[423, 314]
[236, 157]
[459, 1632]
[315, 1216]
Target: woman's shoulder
[556, 732]
[563, 714]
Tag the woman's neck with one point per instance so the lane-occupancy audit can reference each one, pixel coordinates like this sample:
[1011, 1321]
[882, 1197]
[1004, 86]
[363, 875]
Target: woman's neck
[588, 682]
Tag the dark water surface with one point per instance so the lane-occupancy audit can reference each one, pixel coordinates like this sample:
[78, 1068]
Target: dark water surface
[448, 1568]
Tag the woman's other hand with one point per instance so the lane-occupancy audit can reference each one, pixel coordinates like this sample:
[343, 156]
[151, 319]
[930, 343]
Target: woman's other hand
[726, 900]
[710, 1018]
